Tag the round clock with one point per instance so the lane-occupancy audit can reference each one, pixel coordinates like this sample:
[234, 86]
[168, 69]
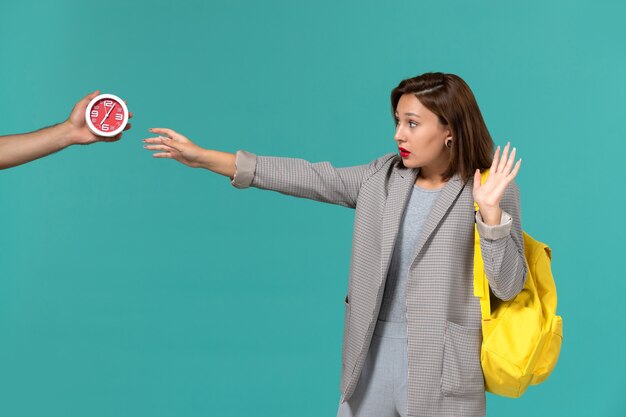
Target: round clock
[106, 115]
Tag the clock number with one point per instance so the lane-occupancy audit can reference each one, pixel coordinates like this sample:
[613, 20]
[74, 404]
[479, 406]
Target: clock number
[119, 117]
[108, 103]
[94, 113]
[105, 127]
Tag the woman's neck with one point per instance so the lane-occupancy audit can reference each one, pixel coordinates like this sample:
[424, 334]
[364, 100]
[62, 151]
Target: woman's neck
[429, 179]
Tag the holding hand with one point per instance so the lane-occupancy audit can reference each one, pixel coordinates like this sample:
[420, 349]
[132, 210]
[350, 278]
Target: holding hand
[22, 148]
[489, 194]
[79, 133]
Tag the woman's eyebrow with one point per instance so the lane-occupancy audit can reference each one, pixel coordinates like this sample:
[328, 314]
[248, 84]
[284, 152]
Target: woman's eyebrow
[411, 114]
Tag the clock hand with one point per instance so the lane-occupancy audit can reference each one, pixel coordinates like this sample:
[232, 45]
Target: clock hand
[107, 115]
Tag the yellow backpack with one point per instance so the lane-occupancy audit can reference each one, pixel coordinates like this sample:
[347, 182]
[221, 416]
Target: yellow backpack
[521, 337]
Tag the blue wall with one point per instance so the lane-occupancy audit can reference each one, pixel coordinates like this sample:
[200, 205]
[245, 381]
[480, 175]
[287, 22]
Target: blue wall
[135, 286]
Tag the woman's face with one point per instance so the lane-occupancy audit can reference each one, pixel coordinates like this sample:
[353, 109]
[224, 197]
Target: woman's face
[418, 131]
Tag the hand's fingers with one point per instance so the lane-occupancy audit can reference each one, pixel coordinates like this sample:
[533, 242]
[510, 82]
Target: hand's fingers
[130, 114]
[89, 96]
[83, 102]
[504, 159]
[128, 126]
[159, 148]
[494, 163]
[154, 140]
[162, 155]
[509, 163]
[172, 143]
[516, 169]
[163, 131]
[157, 139]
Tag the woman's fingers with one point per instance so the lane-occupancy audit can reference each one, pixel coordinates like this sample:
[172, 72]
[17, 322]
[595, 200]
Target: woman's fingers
[494, 163]
[174, 144]
[171, 143]
[506, 163]
[164, 141]
[504, 159]
[167, 132]
[158, 139]
[159, 148]
[509, 163]
[162, 155]
[516, 169]
[503, 163]
[166, 151]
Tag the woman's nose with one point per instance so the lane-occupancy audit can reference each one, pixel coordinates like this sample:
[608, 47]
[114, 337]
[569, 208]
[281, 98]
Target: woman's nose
[398, 135]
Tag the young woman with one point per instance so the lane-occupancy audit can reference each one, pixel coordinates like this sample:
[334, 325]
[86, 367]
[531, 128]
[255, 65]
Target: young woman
[412, 331]
[22, 148]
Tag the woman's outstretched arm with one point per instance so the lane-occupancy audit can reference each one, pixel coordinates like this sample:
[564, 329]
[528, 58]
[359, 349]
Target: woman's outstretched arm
[173, 145]
[319, 181]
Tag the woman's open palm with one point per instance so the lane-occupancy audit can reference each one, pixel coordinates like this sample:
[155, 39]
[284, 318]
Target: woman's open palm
[489, 194]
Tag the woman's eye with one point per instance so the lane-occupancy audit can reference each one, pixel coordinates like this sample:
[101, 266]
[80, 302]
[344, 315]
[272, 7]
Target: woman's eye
[411, 123]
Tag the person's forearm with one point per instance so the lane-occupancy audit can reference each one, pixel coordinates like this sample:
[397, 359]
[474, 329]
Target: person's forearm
[26, 147]
[219, 162]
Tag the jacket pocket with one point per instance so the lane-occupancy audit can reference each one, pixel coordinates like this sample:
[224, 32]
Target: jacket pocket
[462, 373]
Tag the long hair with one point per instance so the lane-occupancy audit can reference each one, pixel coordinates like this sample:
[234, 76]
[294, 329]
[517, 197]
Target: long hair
[451, 99]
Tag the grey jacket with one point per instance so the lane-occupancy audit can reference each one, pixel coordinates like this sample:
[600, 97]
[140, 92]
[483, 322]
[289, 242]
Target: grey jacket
[443, 315]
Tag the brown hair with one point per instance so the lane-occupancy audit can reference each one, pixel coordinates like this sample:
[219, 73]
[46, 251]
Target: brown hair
[451, 99]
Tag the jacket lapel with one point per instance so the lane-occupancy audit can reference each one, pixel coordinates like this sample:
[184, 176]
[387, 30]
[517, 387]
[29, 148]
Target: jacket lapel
[400, 190]
[397, 198]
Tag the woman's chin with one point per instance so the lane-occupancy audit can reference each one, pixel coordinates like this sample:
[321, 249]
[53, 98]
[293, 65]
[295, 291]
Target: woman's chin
[408, 163]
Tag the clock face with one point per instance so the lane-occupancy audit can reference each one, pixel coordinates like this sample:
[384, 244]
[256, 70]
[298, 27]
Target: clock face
[106, 115]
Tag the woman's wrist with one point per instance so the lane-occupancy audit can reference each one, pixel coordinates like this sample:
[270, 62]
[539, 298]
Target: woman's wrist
[219, 162]
[491, 215]
[204, 159]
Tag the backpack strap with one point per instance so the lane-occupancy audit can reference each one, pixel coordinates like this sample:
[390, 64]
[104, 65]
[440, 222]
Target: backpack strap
[481, 284]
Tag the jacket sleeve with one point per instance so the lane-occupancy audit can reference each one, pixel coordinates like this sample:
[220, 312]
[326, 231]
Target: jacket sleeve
[502, 247]
[319, 181]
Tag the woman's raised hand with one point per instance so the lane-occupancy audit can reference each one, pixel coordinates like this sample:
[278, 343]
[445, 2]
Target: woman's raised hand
[489, 194]
[173, 145]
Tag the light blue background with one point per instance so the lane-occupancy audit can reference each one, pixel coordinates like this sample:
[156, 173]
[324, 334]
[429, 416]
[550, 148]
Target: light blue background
[132, 286]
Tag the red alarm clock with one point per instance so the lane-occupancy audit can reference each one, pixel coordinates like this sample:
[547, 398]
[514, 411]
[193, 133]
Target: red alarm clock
[106, 115]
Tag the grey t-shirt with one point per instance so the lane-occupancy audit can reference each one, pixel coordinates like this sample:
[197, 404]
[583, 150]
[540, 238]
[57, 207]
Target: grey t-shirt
[393, 306]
